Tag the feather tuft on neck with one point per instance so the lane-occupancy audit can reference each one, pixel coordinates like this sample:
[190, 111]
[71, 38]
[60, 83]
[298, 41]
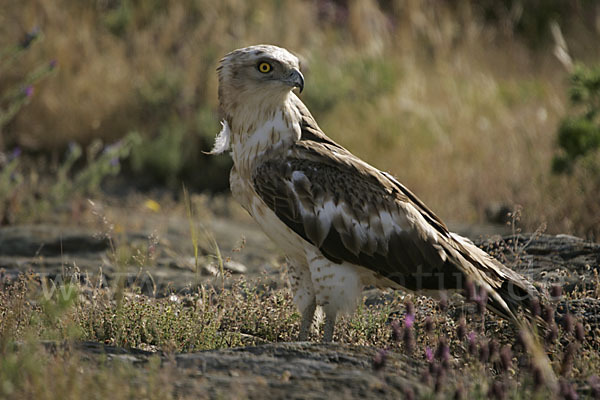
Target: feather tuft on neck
[223, 140]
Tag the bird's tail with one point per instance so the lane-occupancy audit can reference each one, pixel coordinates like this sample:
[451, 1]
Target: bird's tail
[513, 297]
[509, 293]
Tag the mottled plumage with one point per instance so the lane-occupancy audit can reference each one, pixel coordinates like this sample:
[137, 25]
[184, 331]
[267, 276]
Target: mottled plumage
[342, 223]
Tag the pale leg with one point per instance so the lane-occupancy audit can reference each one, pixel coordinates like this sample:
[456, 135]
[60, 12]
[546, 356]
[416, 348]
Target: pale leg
[329, 326]
[308, 315]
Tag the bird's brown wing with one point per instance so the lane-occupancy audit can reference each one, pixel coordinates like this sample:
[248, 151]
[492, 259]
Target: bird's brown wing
[355, 213]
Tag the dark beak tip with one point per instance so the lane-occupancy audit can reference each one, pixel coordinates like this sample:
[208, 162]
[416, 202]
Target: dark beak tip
[298, 80]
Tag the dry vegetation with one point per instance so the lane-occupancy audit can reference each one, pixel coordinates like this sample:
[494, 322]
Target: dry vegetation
[458, 351]
[461, 101]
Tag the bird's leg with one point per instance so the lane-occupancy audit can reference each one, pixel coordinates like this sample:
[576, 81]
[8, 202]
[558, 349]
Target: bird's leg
[329, 326]
[308, 315]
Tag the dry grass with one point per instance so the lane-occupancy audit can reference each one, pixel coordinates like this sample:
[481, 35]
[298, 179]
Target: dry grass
[251, 313]
[457, 108]
[463, 112]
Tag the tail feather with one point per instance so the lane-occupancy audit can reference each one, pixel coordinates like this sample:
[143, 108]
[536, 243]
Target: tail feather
[511, 296]
[509, 293]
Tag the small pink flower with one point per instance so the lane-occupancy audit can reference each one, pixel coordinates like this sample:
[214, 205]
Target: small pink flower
[409, 320]
[428, 354]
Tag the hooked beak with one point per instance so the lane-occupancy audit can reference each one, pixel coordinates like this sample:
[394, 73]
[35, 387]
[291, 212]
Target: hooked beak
[295, 79]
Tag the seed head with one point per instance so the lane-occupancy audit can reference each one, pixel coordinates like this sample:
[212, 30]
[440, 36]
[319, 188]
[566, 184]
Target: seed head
[459, 394]
[497, 391]
[379, 360]
[408, 338]
[594, 382]
[461, 329]
[548, 314]
[429, 325]
[505, 358]
[538, 378]
[481, 300]
[409, 394]
[410, 308]
[555, 292]
[579, 332]
[568, 323]
[442, 352]
[567, 391]
[396, 331]
[493, 348]
[484, 354]
[551, 334]
[536, 308]
[568, 357]
[469, 290]
[443, 304]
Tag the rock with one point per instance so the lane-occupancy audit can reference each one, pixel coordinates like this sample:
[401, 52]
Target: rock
[46, 240]
[561, 260]
[278, 370]
[231, 266]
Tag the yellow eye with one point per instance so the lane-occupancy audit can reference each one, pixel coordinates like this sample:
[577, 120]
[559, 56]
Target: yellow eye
[264, 67]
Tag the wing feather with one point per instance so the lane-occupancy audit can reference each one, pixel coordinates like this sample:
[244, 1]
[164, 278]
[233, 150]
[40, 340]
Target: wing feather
[353, 218]
[355, 213]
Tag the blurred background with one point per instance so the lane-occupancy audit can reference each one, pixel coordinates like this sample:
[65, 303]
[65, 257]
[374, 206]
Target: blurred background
[480, 107]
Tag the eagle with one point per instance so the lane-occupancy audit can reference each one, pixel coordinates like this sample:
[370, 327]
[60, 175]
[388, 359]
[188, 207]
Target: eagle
[342, 223]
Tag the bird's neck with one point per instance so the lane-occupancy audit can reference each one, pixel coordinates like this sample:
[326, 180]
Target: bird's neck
[263, 130]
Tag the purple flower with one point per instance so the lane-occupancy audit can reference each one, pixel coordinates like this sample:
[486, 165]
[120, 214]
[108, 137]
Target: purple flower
[53, 64]
[30, 37]
[28, 91]
[15, 153]
[428, 354]
[472, 343]
[409, 320]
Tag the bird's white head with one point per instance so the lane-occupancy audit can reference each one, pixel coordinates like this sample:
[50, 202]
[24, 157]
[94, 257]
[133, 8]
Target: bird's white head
[257, 80]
